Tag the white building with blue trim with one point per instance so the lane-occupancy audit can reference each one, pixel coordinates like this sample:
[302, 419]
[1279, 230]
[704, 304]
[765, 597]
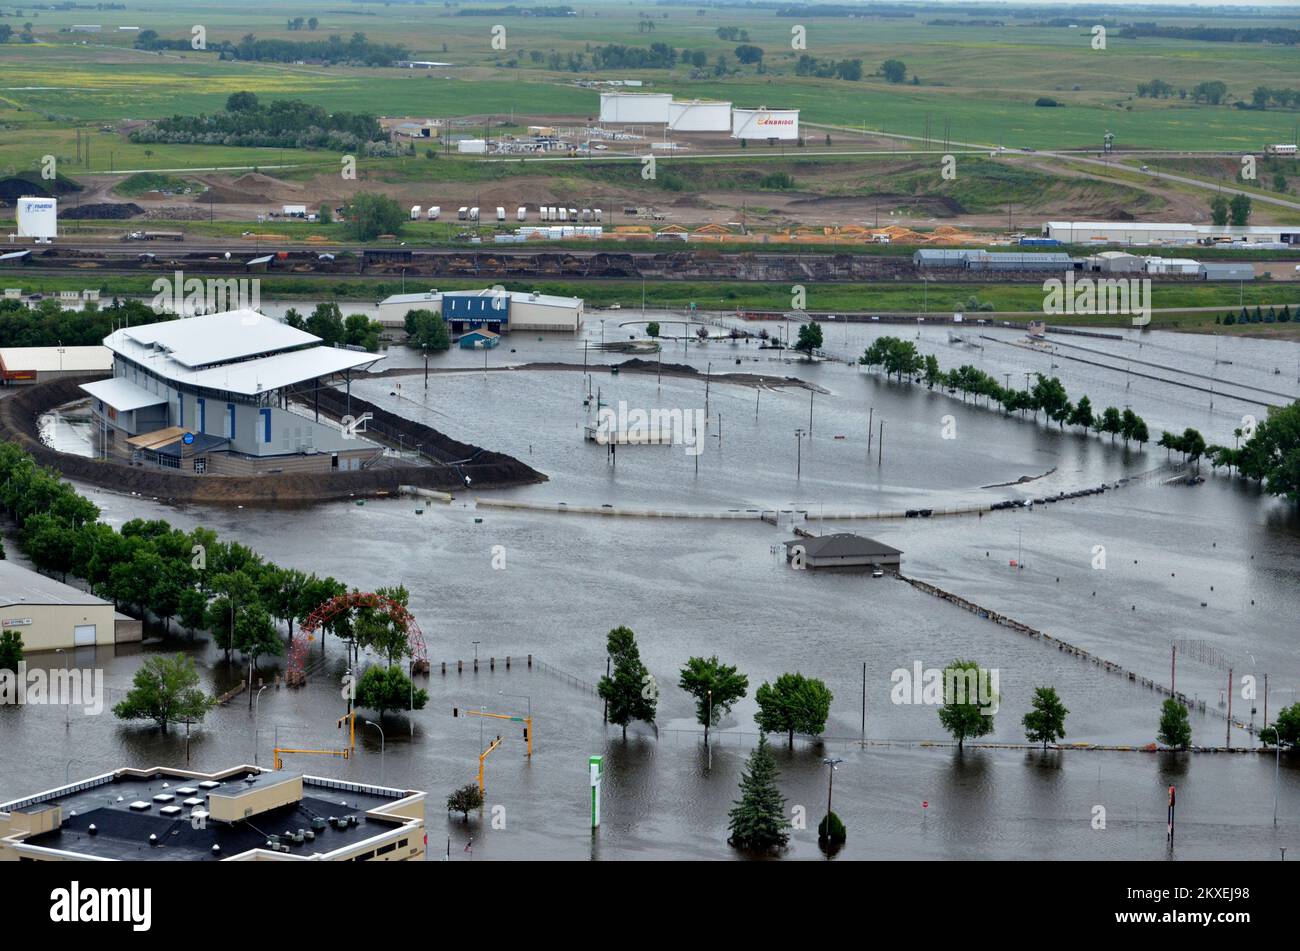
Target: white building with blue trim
[230, 393]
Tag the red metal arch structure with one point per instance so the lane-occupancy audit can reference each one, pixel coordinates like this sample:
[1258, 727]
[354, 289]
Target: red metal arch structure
[342, 604]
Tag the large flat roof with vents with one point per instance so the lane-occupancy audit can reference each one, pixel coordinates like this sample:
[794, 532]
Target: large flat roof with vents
[127, 806]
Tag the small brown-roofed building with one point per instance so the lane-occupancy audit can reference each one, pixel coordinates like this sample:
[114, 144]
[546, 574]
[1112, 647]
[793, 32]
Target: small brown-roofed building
[842, 550]
[38, 364]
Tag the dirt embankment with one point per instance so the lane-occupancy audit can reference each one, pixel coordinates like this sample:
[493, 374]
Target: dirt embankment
[19, 412]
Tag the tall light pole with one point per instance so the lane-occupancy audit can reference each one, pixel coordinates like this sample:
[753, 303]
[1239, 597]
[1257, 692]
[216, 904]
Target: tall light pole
[67, 717]
[833, 763]
[798, 437]
[381, 748]
[257, 701]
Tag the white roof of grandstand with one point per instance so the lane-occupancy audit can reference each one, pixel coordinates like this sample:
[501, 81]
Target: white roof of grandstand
[239, 351]
[283, 369]
[122, 394]
[215, 338]
[412, 298]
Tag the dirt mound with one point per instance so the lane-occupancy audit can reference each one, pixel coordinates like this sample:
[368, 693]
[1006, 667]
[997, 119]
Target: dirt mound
[102, 210]
[257, 180]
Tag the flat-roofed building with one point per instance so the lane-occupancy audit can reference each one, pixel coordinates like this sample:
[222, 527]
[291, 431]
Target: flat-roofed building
[50, 615]
[242, 814]
[214, 394]
[1145, 232]
[20, 365]
[493, 310]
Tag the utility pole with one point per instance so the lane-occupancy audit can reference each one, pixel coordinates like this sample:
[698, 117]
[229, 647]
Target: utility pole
[811, 394]
[880, 444]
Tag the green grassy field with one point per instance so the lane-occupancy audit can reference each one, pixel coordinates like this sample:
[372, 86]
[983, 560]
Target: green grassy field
[977, 83]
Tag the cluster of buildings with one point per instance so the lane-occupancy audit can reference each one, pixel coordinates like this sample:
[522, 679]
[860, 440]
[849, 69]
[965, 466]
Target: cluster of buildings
[1056, 262]
[698, 115]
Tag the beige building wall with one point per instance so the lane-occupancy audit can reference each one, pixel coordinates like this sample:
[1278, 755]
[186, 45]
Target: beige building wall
[45, 627]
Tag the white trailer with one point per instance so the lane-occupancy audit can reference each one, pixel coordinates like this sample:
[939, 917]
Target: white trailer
[521, 213]
[473, 213]
[501, 213]
[415, 212]
[434, 212]
[564, 214]
[598, 214]
[573, 214]
[462, 214]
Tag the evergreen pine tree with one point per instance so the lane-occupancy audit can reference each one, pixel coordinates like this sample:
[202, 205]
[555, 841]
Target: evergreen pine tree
[758, 818]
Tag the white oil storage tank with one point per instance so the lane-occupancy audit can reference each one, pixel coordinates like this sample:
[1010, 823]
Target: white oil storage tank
[650, 108]
[37, 218]
[765, 123]
[699, 115]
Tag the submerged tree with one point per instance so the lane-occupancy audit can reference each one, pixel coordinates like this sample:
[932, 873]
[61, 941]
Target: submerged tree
[1175, 730]
[758, 818]
[794, 704]
[629, 691]
[165, 690]
[1046, 722]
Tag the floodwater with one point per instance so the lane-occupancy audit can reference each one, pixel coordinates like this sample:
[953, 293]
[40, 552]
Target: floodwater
[696, 586]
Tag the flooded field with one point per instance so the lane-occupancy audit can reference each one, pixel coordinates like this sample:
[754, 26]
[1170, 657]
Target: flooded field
[1216, 564]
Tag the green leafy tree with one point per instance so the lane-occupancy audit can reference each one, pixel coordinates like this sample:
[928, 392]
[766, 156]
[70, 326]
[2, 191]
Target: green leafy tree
[831, 830]
[1239, 209]
[326, 322]
[810, 337]
[894, 70]
[1175, 730]
[793, 704]
[629, 690]
[382, 630]
[1219, 210]
[465, 800]
[1110, 422]
[193, 609]
[360, 331]
[1081, 415]
[963, 713]
[715, 686]
[652, 328]
[427, 331]
[1045, 723]
[369, 215]
[165, 690]
[242, 102]
[11, 650]
[255, 633]
[388, 688]
[1285, 729]
[757, 819]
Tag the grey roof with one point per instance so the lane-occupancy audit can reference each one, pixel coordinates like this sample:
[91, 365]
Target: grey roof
[19, 585]
[842, 545]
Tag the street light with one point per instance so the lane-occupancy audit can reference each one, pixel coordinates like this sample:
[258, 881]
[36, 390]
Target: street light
[257, 700]
[798, 436]
[381, 748]
[67, 721]
[833, 763]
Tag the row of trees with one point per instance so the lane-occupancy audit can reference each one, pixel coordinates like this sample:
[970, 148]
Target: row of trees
[356, 50]
[327, 322]
[1234, 211]
[902, 359]
[791, 704]
[48, 324]
[282, 123]
[1258, 316]
[191, 577]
